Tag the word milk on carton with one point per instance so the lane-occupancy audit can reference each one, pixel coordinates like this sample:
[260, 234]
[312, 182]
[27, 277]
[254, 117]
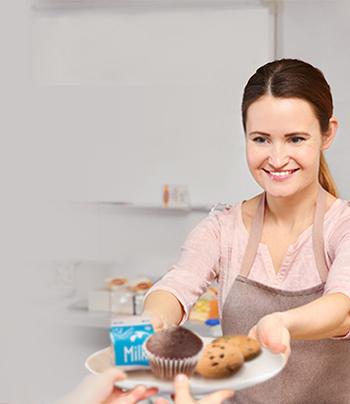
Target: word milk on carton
[128, 335]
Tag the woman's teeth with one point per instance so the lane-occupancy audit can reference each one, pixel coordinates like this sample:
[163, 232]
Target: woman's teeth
[279, 175]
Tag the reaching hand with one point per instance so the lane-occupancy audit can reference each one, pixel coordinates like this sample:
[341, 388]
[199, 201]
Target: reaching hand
[271, 333]
[158, 323]
[183, 395]
[100, 389]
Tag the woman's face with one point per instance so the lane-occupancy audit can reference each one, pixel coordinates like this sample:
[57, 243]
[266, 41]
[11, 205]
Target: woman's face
[283, 144]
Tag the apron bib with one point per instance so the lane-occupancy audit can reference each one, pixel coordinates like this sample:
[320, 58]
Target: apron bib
[317, 372]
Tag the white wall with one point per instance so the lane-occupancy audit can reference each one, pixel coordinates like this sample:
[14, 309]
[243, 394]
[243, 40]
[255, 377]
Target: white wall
[147, 95]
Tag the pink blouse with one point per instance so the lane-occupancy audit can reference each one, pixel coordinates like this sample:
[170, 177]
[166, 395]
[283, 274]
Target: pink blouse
[214, 250]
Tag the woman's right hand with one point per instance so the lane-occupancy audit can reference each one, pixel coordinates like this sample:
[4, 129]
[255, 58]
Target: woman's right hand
[156, 320]
[164, 308]
[183, 395]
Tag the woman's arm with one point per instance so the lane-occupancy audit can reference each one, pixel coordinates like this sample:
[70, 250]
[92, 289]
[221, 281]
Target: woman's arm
[171, 298]
[164, 306]
[326, 317]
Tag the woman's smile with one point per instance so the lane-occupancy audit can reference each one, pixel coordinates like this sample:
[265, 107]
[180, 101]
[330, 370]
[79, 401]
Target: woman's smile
[281, 175]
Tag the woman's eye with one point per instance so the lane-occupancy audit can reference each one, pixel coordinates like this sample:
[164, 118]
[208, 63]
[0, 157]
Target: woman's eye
[297, 139]
[259, 139]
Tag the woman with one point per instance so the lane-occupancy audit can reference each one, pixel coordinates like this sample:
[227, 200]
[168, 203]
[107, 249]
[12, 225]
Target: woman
[282, 258]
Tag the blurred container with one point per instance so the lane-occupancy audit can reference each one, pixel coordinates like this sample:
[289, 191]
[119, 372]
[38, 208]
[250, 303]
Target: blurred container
[214, 327]
[206, 306]
[138, 303]
[121, 301]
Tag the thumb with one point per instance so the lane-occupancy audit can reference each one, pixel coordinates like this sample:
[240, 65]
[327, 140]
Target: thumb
[182, 390]
[252, 333]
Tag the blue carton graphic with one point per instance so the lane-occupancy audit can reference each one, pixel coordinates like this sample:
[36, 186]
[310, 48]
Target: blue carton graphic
[127, 337]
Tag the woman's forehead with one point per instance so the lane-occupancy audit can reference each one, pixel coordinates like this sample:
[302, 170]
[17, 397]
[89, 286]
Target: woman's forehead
[270, 113]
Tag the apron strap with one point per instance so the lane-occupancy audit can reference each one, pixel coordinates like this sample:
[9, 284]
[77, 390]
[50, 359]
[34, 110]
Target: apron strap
[254, 237]
[317, 236]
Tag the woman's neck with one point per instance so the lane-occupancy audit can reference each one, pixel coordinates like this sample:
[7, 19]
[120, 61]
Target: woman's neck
[292, 211]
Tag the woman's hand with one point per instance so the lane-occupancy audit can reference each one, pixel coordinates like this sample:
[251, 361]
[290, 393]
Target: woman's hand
[183, 395]
[100, 389]
[157, 322]
[271, 333]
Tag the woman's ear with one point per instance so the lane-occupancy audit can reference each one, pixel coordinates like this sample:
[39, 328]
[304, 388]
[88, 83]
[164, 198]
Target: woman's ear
[329, 136]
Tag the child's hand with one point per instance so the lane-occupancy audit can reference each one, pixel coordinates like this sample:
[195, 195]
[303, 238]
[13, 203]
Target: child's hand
[271, 333]
[183, 395]
[100, 389]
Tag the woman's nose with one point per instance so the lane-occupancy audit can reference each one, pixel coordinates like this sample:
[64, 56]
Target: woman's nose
[278, 157]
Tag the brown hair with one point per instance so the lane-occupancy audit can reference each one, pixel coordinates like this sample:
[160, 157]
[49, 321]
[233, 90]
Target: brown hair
[294, 78]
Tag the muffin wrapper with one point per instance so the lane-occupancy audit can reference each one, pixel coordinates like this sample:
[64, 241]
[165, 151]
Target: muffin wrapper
[166, 368]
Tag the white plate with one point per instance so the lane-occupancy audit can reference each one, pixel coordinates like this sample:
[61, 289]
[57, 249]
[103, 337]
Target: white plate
[258, 370]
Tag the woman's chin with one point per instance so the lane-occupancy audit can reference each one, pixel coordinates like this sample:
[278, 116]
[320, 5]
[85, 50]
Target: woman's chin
[280, 191]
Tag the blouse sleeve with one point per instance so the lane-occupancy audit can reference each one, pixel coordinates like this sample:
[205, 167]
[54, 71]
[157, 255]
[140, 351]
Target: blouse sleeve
[338, 280]
[197, 266]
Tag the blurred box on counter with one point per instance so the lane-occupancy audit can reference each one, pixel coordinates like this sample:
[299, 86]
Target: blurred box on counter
[120, 296]
[206, 306]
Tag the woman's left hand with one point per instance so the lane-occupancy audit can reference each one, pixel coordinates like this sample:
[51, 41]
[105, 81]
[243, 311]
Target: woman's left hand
[271, 333]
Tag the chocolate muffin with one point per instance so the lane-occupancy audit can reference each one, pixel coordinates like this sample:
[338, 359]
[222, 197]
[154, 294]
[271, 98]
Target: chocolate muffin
[172, 351]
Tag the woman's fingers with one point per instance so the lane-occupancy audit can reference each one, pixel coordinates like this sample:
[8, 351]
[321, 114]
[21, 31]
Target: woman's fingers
[157, 322]
[272, 334]
[252, 333]
[282, 342]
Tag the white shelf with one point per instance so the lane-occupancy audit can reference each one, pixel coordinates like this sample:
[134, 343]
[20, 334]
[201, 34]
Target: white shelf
[79, 4]
[195, 208]
[146, 207]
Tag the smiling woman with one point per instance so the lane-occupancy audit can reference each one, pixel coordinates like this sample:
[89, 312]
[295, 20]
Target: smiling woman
[291, 104]
[282, 257]
[280, 150]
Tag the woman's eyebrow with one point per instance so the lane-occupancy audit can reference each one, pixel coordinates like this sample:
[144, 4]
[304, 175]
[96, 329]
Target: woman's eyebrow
[297, 134]
[258, 133]
[286, 135]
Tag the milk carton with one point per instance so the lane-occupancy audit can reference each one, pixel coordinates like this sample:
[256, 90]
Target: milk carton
[128, 335]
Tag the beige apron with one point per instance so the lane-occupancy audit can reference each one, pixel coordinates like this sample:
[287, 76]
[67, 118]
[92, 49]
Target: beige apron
[317, 372]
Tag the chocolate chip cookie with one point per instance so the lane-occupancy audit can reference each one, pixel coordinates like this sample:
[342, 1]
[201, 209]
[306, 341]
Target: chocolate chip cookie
[249, 347]
[219, 360]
